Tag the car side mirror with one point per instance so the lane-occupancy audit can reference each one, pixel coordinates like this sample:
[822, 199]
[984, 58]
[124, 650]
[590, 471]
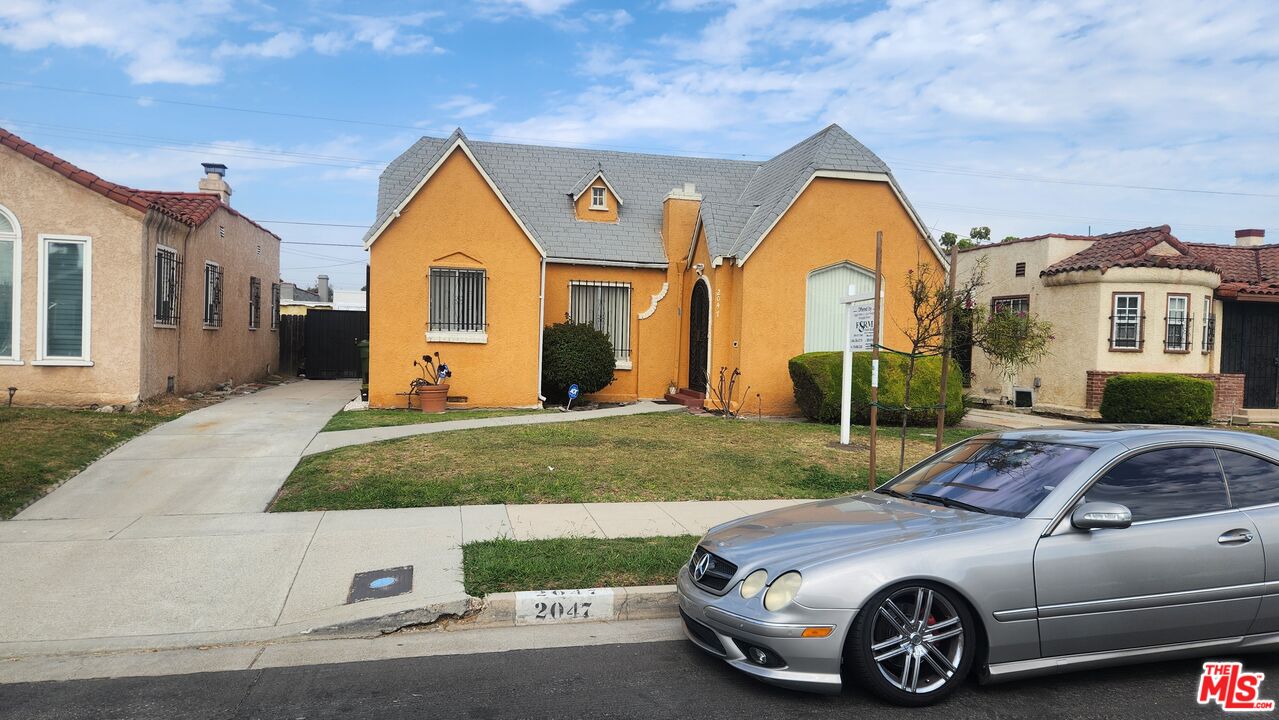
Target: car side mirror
[1099, 515]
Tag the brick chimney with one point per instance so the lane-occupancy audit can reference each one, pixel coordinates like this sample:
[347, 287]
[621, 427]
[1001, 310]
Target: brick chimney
[214, 182]
[1250, 237]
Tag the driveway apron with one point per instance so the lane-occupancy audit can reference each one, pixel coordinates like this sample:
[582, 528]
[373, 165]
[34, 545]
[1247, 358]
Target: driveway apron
[226, 458]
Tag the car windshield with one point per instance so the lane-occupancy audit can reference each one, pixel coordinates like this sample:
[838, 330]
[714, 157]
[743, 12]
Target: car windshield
[1003, 477]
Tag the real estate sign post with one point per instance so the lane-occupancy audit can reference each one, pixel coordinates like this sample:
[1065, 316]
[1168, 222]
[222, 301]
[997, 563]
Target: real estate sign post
[859, 336]
[948, 336]
[872, 478]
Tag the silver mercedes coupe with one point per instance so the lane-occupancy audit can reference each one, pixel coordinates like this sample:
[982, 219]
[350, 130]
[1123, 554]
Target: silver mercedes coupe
[1012, 554]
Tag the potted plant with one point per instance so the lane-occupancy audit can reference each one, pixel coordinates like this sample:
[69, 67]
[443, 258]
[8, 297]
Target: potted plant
[432, 392]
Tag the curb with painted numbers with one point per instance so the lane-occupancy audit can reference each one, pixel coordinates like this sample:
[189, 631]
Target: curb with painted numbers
[546, 607]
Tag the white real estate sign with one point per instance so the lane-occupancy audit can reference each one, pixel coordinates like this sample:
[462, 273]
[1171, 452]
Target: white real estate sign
[863, 326]
[859, 336]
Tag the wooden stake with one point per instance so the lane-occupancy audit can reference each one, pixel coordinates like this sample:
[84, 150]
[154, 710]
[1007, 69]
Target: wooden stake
[947, 336]
[873, 479]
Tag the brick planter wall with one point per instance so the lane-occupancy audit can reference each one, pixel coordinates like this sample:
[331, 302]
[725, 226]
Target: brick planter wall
[1226, 400]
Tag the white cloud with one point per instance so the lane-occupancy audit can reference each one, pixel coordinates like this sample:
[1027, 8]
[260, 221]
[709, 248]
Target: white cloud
[284, 44]
[465, 106]
[150, 37]
[532, 7]
[174, 41]
[1158, 92]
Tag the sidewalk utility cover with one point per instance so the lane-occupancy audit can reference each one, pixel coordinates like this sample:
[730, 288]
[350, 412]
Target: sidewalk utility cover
[374, 584]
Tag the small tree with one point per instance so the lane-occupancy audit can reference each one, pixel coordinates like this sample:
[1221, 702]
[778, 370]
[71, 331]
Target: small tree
[576, 353]
[976, 236]
[1010, 340]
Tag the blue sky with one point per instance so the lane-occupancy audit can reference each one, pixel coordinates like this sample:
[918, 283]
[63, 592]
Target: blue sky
[1028, 116]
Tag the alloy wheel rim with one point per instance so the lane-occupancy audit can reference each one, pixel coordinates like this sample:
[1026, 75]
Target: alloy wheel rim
[917, 640]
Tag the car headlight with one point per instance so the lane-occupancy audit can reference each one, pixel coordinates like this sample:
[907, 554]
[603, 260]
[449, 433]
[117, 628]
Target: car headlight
[782, 591]
[754, 583]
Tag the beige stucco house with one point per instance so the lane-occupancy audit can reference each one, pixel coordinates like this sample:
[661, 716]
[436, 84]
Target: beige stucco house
[1134, 301]
[109, 294]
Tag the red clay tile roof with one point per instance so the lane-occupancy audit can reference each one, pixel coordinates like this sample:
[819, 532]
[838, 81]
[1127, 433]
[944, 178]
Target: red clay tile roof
[188, 208]
[1131, 248]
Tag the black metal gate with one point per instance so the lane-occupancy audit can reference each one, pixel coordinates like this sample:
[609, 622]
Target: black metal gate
[323, 344]
[699, 316]
[1250, 345]
[292, 344]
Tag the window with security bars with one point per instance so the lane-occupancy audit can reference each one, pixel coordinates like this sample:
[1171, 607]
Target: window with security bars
[1177, 324]
[1125, 322]
[212, 295]
[1019, 305]
[275, 306]
[606, 306]
[168, 286]
[255, 303]
[1209, 328]
[458, 300]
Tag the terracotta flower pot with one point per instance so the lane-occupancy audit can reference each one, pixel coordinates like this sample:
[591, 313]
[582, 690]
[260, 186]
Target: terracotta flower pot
[432, 397]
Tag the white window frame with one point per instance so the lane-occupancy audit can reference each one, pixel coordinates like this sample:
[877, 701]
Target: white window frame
[1184, 316]
[15, 358]
[1209, 340]
[86, 287]
[599, 200]
[621, 363]
[478, 337]
[1114, 322]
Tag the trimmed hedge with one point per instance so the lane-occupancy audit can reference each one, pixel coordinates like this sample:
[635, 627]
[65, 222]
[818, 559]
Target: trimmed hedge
[1157, 398]
[816, 376]
[575, 353]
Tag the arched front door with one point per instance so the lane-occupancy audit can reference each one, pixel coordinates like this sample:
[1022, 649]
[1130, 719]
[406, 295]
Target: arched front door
[699, 330]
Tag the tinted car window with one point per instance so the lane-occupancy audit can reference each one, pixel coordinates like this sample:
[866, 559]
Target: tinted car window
[1005, 477]
[1164, 483]
[1252, 481]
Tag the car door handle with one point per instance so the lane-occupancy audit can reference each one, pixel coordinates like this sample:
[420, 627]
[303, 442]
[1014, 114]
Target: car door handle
[1235, 537]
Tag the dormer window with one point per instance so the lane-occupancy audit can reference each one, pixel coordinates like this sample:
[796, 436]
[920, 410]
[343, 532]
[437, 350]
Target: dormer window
[597, 199]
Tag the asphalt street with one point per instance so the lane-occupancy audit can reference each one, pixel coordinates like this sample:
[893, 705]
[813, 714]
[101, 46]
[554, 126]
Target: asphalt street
[640, 680]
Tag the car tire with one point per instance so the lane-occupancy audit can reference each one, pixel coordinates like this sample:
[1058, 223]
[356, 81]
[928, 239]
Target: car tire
[912, 644]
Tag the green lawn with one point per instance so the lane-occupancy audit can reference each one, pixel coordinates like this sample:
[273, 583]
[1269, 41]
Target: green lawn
[661, 456]
[40, 447]
[568, 563]
[357, 419]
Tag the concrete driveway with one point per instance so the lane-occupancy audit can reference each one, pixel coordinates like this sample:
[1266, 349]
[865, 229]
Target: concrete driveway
[226, 458]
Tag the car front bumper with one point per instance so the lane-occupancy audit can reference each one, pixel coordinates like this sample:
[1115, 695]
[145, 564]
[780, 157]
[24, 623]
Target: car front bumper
[719, 625]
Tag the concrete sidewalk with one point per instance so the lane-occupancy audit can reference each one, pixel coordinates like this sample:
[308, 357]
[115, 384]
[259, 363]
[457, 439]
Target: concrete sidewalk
[226, 458]
[102, 584]
[1002, 420]
[343, 438]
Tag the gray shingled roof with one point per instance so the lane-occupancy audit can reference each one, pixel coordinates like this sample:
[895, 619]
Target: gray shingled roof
[740, 199]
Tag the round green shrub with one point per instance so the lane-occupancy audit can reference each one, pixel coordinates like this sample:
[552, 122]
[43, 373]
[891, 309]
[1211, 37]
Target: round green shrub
[1157, 398]
[575, 353]
[816, 377]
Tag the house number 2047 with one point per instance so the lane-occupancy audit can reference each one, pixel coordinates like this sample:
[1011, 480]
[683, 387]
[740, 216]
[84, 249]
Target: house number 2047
[536, 607]
[558, 610]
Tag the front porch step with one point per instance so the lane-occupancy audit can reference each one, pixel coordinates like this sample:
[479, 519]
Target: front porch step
[1248, 416]
[690, 399]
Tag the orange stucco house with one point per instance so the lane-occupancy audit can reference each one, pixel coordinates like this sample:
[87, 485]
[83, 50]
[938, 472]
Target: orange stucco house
[689, 264]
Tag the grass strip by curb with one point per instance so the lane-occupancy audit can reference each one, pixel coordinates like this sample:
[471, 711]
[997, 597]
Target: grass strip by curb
[506, 565]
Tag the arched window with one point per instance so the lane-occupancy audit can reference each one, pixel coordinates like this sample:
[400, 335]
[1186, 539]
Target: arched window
[823, 311]
[10, 277]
